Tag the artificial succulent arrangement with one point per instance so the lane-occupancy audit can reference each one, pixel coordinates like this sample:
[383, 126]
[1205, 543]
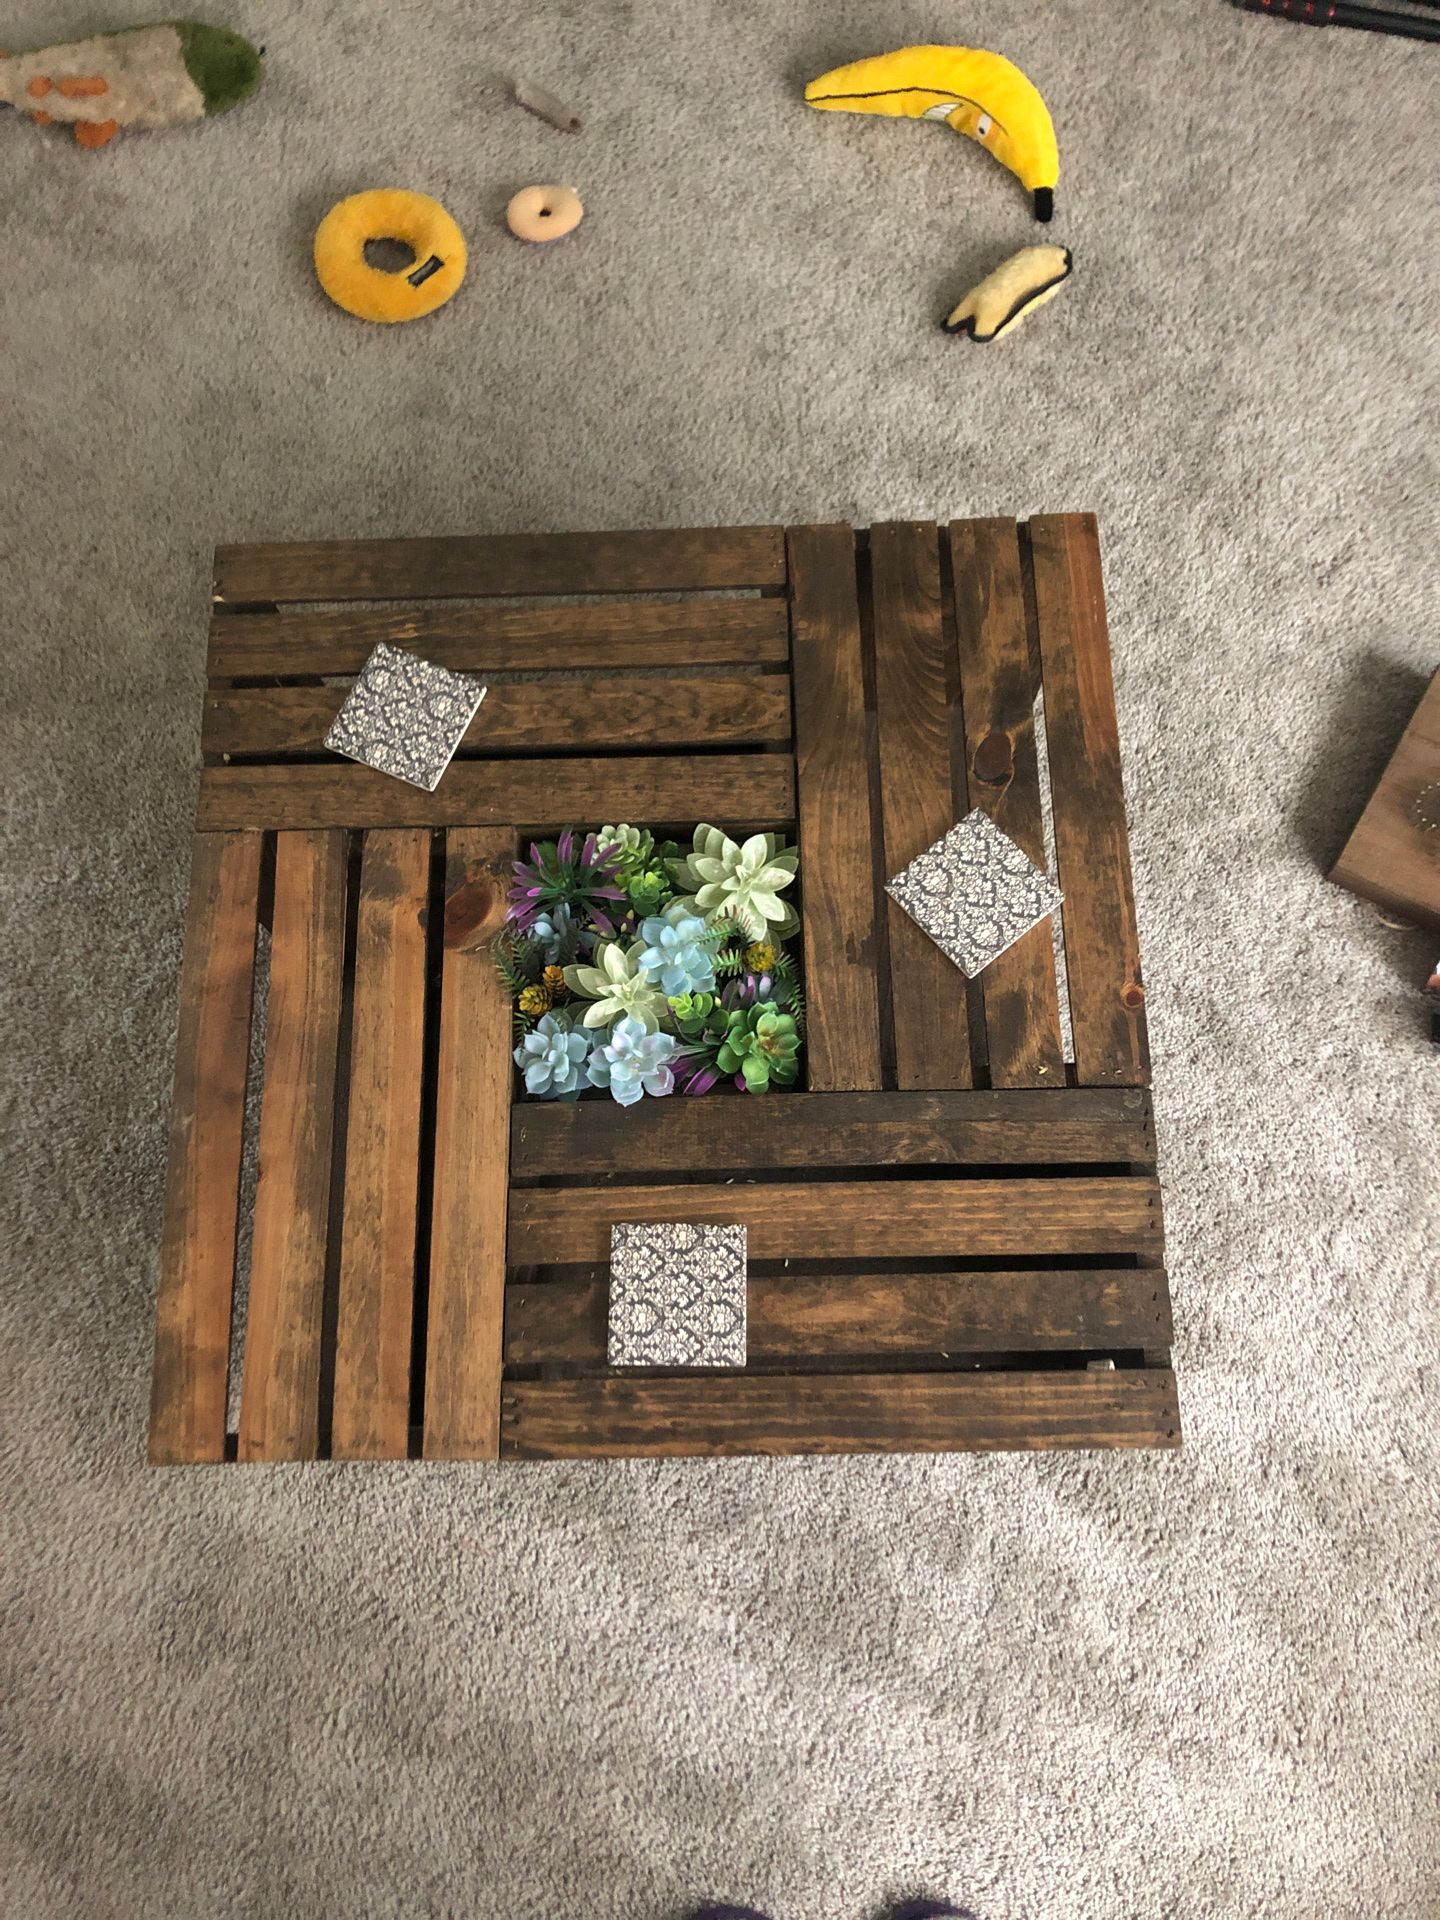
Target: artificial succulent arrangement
[638, 967]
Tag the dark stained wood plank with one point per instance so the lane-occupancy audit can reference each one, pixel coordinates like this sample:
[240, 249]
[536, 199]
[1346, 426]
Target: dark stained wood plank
[832, 746]
[489, 639]
[371, 1416]
[858, 1219]
[927, 992]
[207, 1125]
[465, 1325]
[280, 1397]
[536, 716]
[667, 560]
[1092, 847]
[1061, 1126]
[796, 1318]
[999, 679]
[739, 791]
[1393, 856]
[616, 1416]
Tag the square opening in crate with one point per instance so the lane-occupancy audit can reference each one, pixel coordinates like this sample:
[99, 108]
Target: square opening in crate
[641, 964]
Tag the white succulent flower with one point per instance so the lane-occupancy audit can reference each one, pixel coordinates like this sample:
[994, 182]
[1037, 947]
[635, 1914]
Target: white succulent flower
[619, 985]
[741, 884]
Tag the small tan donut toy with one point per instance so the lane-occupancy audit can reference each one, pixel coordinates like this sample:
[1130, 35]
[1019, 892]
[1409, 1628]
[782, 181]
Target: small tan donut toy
[544, 213]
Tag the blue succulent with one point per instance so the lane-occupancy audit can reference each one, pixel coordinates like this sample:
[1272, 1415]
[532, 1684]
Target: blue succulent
[633, 1062]
[559, 936]
[679, 950]
[553, 1057]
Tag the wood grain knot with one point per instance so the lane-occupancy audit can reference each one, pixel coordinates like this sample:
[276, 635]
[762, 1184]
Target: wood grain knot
[475, 911]
[995, 758]
[1132, 995]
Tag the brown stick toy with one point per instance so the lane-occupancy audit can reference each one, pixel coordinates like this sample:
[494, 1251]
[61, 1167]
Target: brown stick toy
[546, 107]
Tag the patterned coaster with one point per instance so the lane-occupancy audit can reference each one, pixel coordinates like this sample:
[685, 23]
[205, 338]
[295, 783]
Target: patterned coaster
[974, 892]
[405, 716]
[677, 1295]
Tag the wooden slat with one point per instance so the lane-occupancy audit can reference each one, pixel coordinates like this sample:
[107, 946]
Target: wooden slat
[207, 1125]
[999, 679]
[537, 716]
[840, 922]
[1102, 948]
[839, 1413]
[489, 639]
[1060, 1126]
[668, 560]
[280, 1400]
[795, 1318]
[917, 802]
[860, 1219]
[467, 1242]
[371, 1416]
[738, 791]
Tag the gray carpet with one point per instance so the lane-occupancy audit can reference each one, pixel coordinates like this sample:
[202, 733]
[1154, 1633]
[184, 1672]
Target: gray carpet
[1059, 1686]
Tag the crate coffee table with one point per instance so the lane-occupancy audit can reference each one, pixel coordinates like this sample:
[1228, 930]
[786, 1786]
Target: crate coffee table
[954, 1229]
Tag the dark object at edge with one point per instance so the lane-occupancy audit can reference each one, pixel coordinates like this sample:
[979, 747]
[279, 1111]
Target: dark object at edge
[1340, 13]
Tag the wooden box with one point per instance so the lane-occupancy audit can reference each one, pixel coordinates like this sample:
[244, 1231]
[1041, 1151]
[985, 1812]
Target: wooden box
[1393, 856]
[954, 1229]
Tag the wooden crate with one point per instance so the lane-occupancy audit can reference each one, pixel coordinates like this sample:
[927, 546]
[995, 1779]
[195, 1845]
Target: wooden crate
[955, 1232]
[1393, 856]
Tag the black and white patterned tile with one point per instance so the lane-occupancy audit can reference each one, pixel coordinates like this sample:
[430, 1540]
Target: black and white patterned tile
[405, 716]
[974, 892]
[677, 1295]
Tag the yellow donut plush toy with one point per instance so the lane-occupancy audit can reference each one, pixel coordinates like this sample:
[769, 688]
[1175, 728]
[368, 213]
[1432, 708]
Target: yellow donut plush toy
[389, 213]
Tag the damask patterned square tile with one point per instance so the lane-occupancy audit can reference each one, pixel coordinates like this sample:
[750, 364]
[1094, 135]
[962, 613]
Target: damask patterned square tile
[974, 892]
[677, 1295]
[405, 716]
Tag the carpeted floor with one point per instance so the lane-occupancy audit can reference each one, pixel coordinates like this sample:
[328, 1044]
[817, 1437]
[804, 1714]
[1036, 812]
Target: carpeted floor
[1086, 1686]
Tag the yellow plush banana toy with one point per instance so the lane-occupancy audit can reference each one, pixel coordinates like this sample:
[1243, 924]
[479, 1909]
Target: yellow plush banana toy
[1014, 289]
[979, 94]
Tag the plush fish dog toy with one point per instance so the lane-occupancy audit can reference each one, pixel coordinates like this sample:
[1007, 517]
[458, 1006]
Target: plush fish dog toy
[159, 76]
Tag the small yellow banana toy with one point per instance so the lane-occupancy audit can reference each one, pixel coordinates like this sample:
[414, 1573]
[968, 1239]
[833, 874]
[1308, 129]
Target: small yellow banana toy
[980, 94]
[1014, 289]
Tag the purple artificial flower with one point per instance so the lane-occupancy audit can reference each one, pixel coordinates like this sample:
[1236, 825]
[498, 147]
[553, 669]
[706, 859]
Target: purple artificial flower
[555, 876]
[695, 1074]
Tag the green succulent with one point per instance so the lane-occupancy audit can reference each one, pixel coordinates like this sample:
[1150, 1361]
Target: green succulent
[761, 1045]
[629, 847]
[696, 1014]
[648, 889]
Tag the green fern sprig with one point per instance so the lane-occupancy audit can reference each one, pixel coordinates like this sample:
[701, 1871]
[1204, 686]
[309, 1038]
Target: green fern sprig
[795, 1005]
[519, 960]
